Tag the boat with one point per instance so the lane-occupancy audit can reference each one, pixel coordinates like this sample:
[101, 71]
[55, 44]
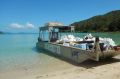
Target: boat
[78, 51]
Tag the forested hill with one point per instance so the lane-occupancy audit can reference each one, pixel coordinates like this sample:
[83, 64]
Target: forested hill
[109, 22]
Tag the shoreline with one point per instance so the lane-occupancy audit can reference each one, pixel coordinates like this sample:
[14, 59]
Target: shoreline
[38, 69]
[97, 70]
[108, 69]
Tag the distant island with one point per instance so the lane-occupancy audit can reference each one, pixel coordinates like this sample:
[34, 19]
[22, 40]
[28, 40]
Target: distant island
[109, 22]
[16, 33]
[1, 32]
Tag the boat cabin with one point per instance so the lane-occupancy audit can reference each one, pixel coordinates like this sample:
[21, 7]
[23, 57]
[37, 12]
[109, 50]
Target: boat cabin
[53, 33]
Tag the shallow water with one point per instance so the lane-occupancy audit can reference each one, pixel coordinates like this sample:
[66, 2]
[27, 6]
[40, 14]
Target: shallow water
[18, 50]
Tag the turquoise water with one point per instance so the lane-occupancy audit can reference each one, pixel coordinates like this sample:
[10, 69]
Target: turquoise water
[18, 50]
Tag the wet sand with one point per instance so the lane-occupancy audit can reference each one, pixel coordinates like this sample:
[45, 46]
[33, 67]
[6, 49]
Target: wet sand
[59, 69]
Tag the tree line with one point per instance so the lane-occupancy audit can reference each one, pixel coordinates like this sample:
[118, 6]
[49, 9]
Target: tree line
[109, 22]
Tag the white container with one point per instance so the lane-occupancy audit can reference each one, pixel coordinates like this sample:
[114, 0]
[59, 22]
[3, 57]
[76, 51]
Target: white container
[82, 46]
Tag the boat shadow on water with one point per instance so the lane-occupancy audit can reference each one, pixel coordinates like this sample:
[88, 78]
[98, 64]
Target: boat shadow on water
[86, 64]
[36, 50]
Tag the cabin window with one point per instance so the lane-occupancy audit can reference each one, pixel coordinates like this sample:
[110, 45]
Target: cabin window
[44, 35]
[50, 34]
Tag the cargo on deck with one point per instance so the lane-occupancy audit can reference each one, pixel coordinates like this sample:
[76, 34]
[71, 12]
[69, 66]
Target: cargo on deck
[75, 48]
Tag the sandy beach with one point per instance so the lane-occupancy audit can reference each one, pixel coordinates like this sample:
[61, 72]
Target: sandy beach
[108, 69]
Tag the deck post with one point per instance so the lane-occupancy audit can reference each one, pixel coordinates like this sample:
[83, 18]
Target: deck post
[97, 48]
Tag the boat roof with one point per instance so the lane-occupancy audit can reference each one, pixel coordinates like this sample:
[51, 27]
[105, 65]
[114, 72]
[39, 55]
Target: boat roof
[57, 27]
[53, 24]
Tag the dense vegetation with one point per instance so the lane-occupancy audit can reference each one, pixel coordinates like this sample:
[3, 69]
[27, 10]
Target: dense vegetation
[109, 22]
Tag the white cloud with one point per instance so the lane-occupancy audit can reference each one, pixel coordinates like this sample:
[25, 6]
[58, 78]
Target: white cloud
[29, 25]
[20, 26]
[16, 26]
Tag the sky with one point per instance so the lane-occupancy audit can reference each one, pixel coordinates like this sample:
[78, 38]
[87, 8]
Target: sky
[27, 15]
